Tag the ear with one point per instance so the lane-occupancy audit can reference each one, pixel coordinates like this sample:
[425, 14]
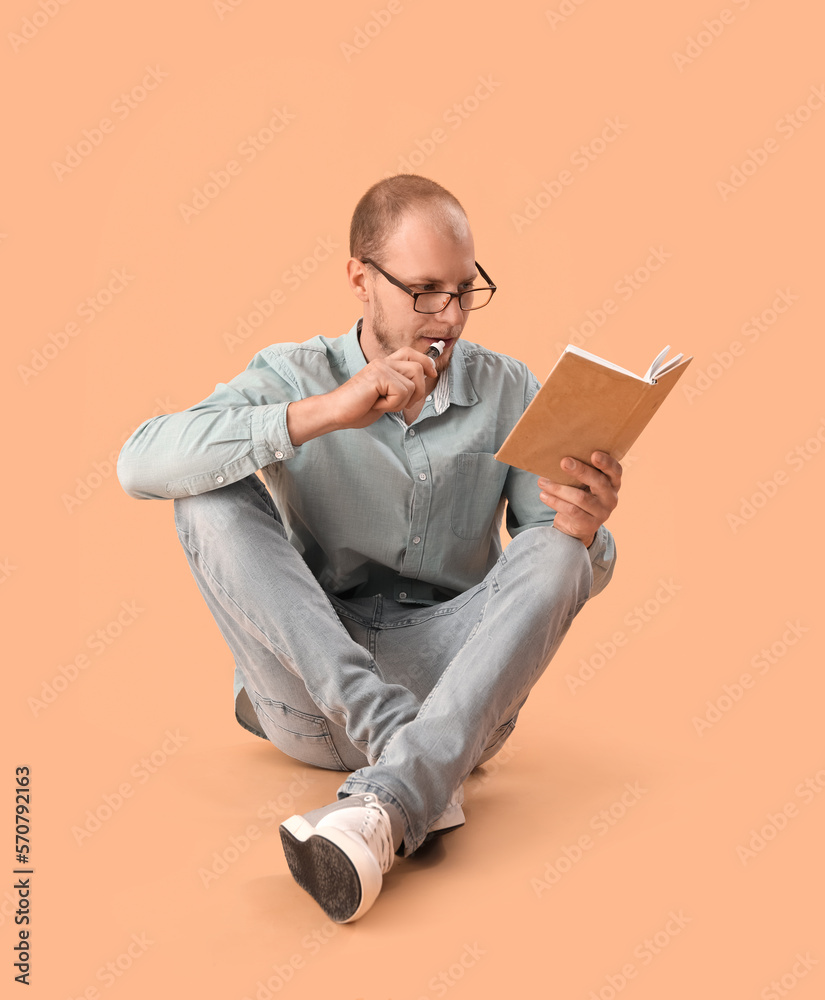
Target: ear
[358, 279]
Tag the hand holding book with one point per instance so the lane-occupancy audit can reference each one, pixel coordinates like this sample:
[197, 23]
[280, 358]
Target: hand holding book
[587, 404]
[580, 512]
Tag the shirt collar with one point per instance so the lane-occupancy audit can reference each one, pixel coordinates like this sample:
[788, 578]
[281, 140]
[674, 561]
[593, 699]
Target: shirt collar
[461, 388]
[353, 354]
[461, 385]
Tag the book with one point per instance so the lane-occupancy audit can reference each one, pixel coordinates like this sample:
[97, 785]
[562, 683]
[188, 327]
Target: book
[587, 404]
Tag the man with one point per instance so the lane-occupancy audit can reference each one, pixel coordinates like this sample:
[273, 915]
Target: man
[375, 622]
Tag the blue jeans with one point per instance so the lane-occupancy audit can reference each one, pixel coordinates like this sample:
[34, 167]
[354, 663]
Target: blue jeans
[409, 698]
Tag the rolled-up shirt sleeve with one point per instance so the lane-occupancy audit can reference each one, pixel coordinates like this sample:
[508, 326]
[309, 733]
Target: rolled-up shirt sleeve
[525, 510]
[240, 428]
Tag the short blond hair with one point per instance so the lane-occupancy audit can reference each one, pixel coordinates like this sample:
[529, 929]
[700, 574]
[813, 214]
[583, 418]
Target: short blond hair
[380, 211]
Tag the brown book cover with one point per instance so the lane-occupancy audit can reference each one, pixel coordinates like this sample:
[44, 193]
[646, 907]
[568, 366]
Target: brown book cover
[587, 404]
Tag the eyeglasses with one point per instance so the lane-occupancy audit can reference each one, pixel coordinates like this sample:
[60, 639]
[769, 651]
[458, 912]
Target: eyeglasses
[436, 302]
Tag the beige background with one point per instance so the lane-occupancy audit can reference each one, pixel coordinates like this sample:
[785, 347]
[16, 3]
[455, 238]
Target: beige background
[704, 581]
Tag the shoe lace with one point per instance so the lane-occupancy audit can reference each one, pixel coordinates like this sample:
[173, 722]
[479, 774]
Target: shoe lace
[377, 832]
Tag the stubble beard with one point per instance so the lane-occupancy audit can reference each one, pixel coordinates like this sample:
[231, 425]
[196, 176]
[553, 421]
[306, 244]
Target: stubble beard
[381, 333]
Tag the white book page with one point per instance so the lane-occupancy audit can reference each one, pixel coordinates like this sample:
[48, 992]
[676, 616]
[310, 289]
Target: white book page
[659, 359]
[658, 372]
[572, 349]
[658, 367]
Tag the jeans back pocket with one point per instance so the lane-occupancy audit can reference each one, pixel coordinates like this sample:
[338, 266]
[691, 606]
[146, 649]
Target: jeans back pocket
[302, 736]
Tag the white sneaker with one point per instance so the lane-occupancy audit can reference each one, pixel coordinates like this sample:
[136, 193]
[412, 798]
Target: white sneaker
[340, 853]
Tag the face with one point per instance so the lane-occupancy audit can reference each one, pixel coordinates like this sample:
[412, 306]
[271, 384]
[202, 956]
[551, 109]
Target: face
[425, 257]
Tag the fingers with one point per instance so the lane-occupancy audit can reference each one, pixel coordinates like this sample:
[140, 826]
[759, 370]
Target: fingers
[385, 385]
[609, 466]
[605, 482]
[416, 357]
[569, 499]
[577, 513]
[593, 504]
[399, 384]
[395, 392]
[580, 512]
[402, 374]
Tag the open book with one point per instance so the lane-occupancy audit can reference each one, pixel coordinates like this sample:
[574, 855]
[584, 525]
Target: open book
[587, 404]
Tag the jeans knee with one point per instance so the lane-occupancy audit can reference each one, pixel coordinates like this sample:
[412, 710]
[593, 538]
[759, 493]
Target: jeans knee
[497, 741]
[194, 514]
[554, 562]
[220, 510]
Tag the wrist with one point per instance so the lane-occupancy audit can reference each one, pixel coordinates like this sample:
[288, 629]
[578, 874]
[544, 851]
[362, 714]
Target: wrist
[309, 418]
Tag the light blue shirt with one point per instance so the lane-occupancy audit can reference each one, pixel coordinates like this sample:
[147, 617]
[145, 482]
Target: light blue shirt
[412, 512]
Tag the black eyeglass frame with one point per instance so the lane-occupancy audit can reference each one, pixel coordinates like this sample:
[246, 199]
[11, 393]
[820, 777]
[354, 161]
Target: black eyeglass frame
[453, 295]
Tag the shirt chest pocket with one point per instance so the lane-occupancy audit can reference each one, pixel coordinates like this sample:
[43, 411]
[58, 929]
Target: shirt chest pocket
[478, 482]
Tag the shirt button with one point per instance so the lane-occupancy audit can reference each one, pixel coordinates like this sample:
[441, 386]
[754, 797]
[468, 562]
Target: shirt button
[279, 455]
[416, 540]
[218, 479]
[412, 434]
[428, 398]
[422, 476]
[402, 595]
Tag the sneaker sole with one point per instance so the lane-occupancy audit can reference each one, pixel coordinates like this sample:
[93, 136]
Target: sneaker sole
[323, 868]
[451, 819]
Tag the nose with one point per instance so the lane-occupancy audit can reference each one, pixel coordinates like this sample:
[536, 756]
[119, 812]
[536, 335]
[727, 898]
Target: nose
[452, 315]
